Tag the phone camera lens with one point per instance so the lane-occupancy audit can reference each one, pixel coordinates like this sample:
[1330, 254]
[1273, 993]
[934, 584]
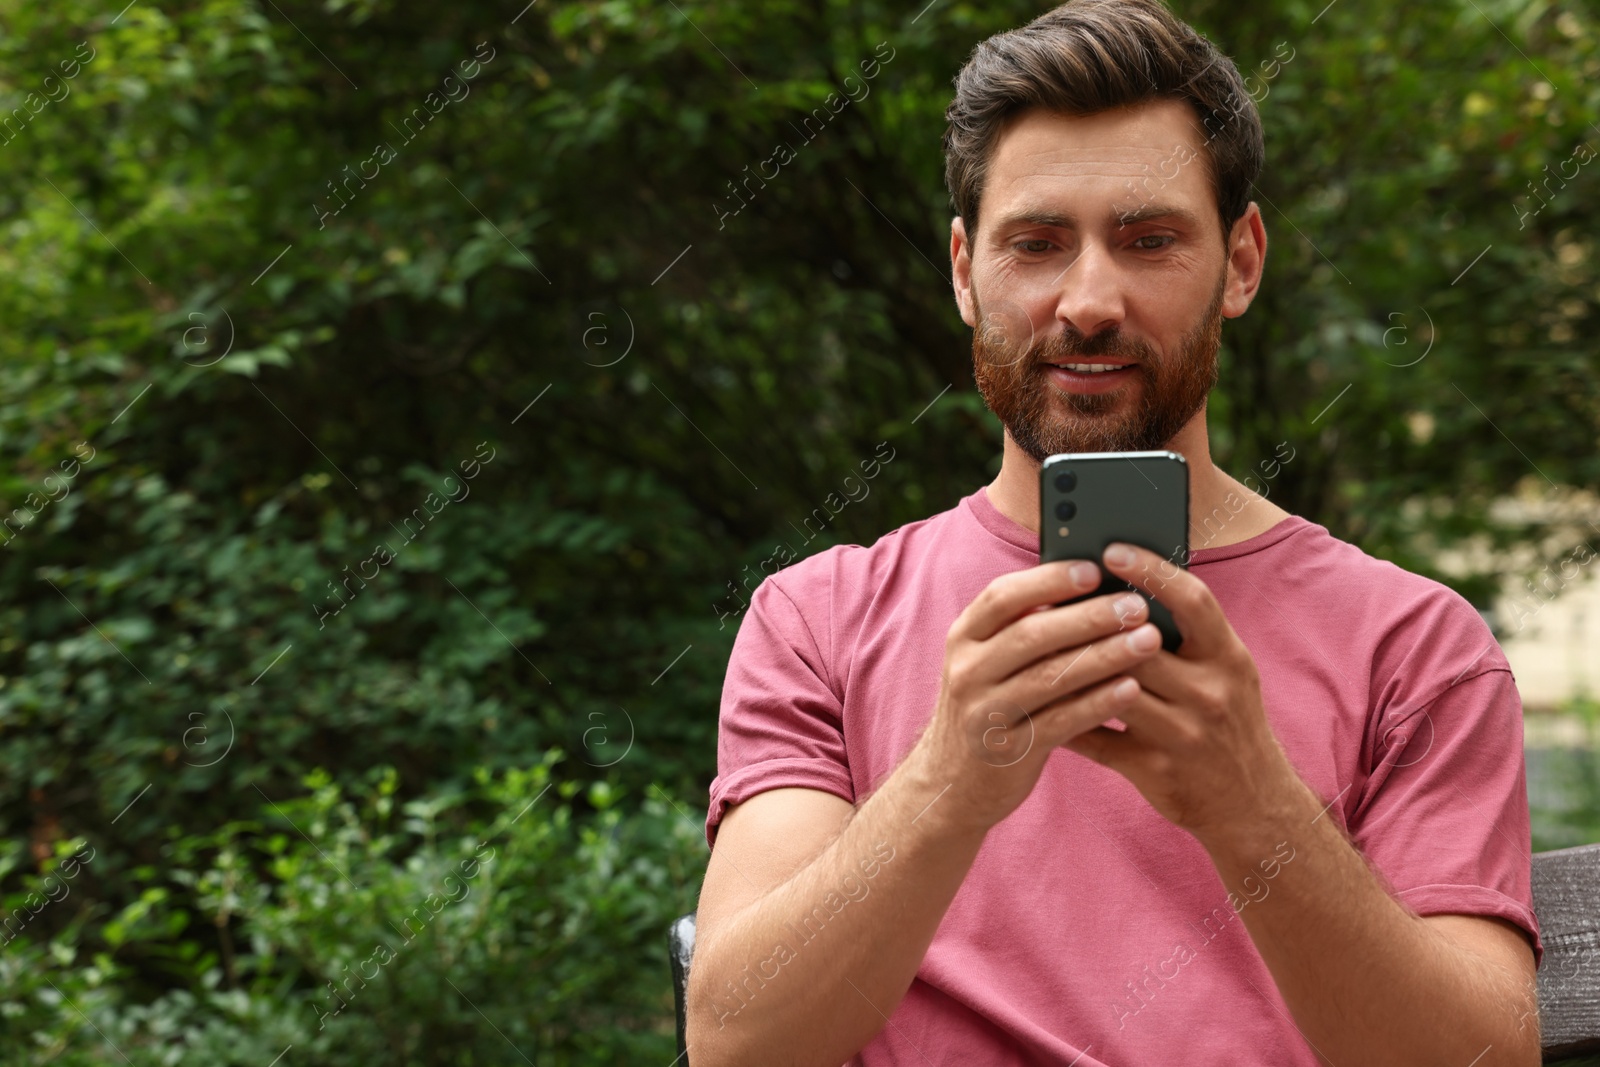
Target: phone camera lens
[1066, 482]
[1066, 510]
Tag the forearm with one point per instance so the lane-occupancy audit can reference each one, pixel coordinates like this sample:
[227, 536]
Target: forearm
[1367, 981]
[809, 973]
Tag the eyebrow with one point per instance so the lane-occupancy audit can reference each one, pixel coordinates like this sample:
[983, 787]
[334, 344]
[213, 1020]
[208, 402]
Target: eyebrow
[1158, 212]
[1148, 212]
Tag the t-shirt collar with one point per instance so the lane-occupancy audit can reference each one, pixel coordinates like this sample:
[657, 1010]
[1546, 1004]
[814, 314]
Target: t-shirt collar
[1013, 533]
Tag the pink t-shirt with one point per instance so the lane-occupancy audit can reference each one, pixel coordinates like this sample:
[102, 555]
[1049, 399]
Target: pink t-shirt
[1090, 930]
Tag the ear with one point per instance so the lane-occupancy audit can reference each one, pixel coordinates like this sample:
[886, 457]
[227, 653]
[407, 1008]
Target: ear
[1247, 258]
[961, 270]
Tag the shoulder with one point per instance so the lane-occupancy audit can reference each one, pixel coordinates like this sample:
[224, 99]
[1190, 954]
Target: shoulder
[834, 590]
[841, 575]
[1415, 627]
[1349, 573]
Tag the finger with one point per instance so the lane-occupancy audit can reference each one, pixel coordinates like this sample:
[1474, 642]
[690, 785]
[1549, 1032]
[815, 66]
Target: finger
[1068, 717]
[1199, 617]
[1186, 702]
[1168, 676]
[1049, 631]
[1147, 719]
[1153, 717]
[1013, 595]
[1107, 747]
[1063, 674]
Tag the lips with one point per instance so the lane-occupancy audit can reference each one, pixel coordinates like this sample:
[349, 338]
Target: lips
[1090, 375]
[1092, 368]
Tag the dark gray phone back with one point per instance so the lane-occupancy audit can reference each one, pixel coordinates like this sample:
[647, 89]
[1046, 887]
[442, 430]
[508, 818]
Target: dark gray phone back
[1088, 500]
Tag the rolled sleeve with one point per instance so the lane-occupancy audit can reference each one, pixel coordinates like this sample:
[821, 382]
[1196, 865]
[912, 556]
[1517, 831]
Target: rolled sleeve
[780, 719]
[1444, 814]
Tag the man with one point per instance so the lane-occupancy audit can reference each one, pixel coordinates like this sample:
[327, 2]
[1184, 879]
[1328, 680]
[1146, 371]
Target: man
[1309, 844]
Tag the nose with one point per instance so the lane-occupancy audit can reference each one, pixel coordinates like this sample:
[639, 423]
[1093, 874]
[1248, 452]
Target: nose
[1091, 291]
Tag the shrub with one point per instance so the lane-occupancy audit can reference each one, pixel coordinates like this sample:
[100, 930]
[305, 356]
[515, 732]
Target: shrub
[521, 918]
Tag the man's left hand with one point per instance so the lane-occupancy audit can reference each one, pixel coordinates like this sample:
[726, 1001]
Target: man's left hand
[1198, 745]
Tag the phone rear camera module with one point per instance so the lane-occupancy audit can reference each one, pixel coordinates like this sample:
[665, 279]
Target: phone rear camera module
[1066, 482]
[1066, 510]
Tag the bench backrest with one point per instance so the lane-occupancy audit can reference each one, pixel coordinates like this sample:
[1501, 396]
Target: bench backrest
[1566, 897]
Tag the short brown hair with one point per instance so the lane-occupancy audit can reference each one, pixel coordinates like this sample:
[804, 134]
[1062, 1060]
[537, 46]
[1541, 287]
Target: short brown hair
[1089, 56]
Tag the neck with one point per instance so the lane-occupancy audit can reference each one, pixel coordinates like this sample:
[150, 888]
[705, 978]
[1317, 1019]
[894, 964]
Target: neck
[1228, 511]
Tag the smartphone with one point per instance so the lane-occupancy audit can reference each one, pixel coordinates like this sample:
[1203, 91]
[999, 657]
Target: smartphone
[1088, 500]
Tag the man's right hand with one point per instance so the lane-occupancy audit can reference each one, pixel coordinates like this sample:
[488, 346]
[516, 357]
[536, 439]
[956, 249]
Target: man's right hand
[1021, 676]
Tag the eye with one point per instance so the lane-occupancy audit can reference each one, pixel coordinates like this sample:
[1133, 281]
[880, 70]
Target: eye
[1163, 241]
[1024, 245]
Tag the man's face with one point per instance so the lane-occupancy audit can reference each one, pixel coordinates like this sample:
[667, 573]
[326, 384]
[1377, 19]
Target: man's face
[1098, 247]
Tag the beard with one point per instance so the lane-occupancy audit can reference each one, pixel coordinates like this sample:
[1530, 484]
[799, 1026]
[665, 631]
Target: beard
[1018, 390]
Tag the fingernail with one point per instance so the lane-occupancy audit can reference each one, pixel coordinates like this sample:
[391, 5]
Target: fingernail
[1128, 606]
[1084, 575]
[1119, 556]
[1144, 639]
[1125, 689]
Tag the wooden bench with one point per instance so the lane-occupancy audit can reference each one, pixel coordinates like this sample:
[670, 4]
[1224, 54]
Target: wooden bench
[1566, 897]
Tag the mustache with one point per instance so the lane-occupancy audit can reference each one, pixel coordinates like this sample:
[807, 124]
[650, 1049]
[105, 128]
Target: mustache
[1057, 347]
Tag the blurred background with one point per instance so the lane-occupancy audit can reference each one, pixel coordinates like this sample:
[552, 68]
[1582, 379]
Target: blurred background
[398, 402]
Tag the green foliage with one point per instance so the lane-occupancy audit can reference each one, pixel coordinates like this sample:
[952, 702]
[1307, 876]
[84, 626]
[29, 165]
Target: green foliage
[360, 928]
[245, 348]
[1571, 774]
